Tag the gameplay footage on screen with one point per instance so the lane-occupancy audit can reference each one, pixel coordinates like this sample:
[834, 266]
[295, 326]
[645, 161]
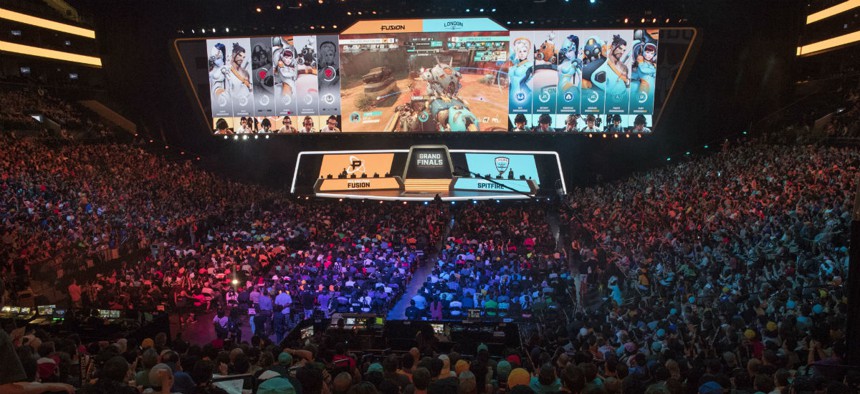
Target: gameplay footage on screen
[434, 76]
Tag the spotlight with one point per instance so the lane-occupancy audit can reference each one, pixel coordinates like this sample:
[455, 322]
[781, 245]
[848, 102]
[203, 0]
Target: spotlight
[590, 135]
[498, 201]
[235, 282]
[667, 20]
[643, 20]
[244, 138]
[481, 10]
[198, 158]
[426, 203]
[654, 20]
[226, 137]
[453, 202]
[374, 12]
[267, 137]
[312, 27]
[468, 10]
[349, 12]
[320, 1]
[340, 199]
[604, 136]
[256, 137]
[493, 10]
[615, 135]
[278, 7]
[668, 159]
[404, 203]
[639, 135]
[166, 147]
[235, 137]
[192, 31]
[213, 29]
[182, 153]
[706, 147]
[334, 26]
[259, 10]
[592, 1]
[227, 29]
[627, 135]
[626, 20]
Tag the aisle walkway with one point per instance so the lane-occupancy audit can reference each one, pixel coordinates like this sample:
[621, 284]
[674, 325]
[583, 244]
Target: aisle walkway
[418, 279]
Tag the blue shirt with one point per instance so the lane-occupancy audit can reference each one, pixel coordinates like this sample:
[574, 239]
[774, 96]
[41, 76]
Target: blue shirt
[266, 303]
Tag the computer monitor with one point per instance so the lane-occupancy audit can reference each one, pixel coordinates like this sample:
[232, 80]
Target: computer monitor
[307, 332]
[379, 321]
[474, 313]
[45, 310]
[59, 314]
[350, 321]
[26, 310]
[438, 328]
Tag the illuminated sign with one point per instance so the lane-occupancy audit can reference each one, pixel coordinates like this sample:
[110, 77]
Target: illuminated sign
[831, 11]
[358, 165]
[49, 54]
[46, 24]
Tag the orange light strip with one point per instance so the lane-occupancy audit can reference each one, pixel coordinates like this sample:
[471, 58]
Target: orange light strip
[49, 54]
[46, 24]
[828, 12]
[829, 43]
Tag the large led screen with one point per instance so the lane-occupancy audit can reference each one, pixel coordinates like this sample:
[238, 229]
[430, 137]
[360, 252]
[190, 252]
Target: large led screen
[582, 81]
[431, 76]
[424, 76]
[268, 85]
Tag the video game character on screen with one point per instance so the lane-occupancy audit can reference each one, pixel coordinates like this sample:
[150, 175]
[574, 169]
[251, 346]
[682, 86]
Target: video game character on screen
[218, 76]
[520, 71]
[261, 64]
[544, 78]
[610, 74]
[287, 126]
[644, 69]
[239, 85]
[331, 125]
[307, 83]
[570, 74]
[328, 62]
[285, 72]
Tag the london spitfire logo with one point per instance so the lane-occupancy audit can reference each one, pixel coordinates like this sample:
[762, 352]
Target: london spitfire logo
[502, 164]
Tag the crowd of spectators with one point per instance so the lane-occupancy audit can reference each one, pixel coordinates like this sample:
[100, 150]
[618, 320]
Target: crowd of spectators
[17, 107]
[499, 259]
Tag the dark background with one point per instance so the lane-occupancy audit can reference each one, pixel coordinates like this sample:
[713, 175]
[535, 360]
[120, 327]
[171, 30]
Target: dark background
[743, 70]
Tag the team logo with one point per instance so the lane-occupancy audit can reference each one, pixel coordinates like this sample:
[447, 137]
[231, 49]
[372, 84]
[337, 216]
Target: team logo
[643, 97]
[521, 96]
[392, 27]
[593, 97]
[354, 117]
[356, 166]
[568, 97]
[502, 164]
[544, 97]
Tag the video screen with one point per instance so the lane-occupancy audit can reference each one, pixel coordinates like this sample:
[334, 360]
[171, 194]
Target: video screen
[274, 85]
[424, 81]
[358, 165]
[45, 310]
[582, 81]
[307, 332]
[438, 329]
